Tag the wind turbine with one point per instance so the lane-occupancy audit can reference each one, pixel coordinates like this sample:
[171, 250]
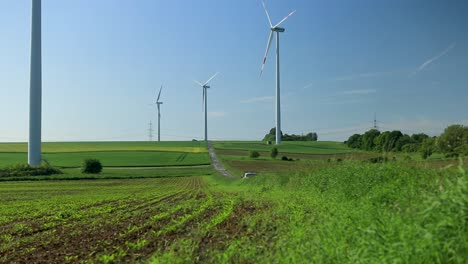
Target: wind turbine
[35, 88]
[158, 104]
[277, 29]
[205, 102]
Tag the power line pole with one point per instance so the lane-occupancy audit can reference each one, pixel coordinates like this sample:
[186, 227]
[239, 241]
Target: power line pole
[150, 132]
[375, 122]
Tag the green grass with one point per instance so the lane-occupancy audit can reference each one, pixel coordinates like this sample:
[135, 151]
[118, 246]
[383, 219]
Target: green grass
[120, 173]
[360, 212]
[54, 147]
[344, 212]
[114, 159]
[307, 211]
[304, 147]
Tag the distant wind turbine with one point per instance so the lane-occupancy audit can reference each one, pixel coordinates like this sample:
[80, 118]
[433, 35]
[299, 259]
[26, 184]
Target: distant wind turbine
[277, 29]
[205, 102]
[158, 104]
[35, 88]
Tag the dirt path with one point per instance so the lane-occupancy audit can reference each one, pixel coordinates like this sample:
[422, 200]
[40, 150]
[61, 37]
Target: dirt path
[216, 164]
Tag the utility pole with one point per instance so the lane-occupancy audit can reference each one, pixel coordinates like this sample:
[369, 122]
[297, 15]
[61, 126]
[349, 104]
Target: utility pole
[150, 131]
[375, 122]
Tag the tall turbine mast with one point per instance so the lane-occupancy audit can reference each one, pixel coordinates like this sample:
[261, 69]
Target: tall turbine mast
[205, 86]
[35, 89]
[277, 29]
[159, 103]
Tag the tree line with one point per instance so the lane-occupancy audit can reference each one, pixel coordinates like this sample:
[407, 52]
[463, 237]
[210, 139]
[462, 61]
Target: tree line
[271, 136]
[453, 142]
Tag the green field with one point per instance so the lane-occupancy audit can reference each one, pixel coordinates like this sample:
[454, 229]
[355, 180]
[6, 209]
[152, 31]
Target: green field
[54, 147]
[114, 159]
[321, 210]
[112, 154]
[304, 147]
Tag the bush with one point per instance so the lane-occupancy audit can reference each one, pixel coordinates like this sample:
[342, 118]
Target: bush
[254, 154]
[92, 166]
[274, 153]
[27, 170]
[284, 158]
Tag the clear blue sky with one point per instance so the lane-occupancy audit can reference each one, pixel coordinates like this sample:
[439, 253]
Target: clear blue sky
[341, 61]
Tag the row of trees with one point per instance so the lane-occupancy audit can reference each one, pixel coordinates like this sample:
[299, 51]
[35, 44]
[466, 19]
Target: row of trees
[312, 136]
[453, 142]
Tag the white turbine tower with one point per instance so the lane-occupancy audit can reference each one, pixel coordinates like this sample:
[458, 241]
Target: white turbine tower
[205, 102]
[158, 104]
[35, 91]
[277, 29]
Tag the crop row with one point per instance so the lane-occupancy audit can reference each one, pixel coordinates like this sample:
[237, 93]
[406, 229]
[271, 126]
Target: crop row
[170, 215]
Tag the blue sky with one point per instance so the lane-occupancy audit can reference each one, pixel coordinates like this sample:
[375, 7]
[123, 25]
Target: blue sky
[341, 61]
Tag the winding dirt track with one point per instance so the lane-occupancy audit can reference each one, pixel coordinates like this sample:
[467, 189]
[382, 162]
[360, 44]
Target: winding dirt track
[216, 164]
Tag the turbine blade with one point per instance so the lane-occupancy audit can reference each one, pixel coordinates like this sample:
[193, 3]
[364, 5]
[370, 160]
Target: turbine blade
[197, 82]
[159, 95]
[266, 12]
[266, 52]
[284, 19]
[210, 79]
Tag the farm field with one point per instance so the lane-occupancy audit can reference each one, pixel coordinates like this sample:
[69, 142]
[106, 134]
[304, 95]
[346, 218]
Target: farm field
[292, 211]
[235, 156]
[53, 147]
[121, 173]
[385, 213]
[112, 154]
[298, 147]
[115, 158]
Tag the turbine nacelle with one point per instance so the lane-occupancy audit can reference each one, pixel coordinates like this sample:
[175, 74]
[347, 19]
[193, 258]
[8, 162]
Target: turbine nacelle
[277, 29]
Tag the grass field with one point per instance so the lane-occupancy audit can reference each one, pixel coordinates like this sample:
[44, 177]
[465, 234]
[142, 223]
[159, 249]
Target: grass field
[114, 159]
[304, 147]
[112, 154]
[304, 211]
[54, 147]
[384, 213]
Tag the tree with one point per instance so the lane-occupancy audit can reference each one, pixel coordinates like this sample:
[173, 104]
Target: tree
[453, 140]
[367, 139]
[274, 153]
[312, 136]
[381, 141]
[92, 166]
[392, 140]
[271, 136]
[402, 141]
[354, 141]
[254, 154]
[419, 138]
[427, 147]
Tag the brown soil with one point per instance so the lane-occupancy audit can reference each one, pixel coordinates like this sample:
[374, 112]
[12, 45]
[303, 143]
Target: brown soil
[299, 155]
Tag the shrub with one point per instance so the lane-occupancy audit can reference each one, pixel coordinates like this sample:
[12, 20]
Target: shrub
[284, 158]
[92, 166]
[274, 153]
[254, 154]
[27, 170]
